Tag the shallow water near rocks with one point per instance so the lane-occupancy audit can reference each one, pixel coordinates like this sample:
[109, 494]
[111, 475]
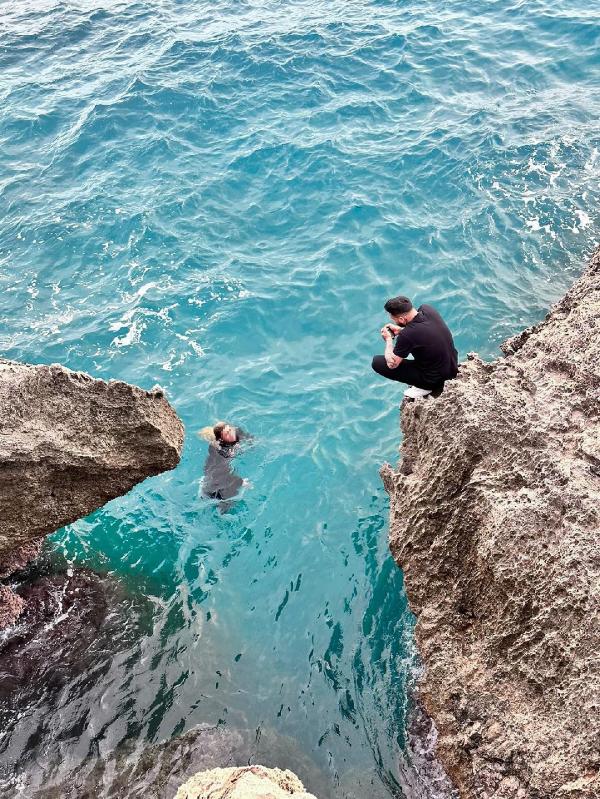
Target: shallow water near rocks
[219, 197]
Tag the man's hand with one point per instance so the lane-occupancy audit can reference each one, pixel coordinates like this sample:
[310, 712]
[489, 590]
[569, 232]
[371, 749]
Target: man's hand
[387, 334]
[389, 331]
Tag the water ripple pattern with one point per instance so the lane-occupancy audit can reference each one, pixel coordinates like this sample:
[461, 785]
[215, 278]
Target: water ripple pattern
[219, 197]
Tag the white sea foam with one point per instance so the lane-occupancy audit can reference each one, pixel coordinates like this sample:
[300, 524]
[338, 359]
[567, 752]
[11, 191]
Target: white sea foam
[132, 336]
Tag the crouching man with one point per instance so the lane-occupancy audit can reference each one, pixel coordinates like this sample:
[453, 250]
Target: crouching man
[423, 334]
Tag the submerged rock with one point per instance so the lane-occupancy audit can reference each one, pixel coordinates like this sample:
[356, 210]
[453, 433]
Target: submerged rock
[424, 775]
[136, 770]
[71, 625]
[70, 444]
[494, 519]
[246, 782]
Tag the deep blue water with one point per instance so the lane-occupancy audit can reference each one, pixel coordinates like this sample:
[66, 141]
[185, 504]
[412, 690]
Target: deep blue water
[219, 197]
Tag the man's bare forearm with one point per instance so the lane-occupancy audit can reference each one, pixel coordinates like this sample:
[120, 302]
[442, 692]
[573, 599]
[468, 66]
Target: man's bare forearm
[392, 360]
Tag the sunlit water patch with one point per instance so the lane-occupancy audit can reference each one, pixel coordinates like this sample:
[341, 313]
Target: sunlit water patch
[219, 197]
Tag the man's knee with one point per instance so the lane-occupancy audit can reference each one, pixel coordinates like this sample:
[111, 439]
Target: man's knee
[378, 364]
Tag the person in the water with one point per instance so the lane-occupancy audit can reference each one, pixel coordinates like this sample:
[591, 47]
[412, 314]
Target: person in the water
[227, 434]
[422, 333]
[220, 481]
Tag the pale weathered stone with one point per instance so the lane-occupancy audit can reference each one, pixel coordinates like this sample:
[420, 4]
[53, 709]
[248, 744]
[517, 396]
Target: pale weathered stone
[11, 606]
[494, 518]
[69, 444]
[246, 782]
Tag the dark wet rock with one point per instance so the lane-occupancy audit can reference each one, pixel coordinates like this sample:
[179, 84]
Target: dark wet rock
[70, 444]
[424, 775]
[157, 771]
[63, 631]
[75, 623]
[154, 772]
[495, 525]
[18, 558]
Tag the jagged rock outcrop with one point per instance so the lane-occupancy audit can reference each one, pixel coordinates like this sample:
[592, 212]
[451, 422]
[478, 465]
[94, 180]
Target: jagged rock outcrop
[246, 782]
[69, 444]
[495, 520]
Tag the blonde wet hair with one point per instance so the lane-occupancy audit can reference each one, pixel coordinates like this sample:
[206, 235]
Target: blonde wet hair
[213, 434]
[208, 433]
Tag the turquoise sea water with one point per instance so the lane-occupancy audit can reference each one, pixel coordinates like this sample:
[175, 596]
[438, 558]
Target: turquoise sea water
[219, 197]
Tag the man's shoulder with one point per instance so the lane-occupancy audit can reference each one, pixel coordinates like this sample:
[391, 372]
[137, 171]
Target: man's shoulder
[405, 333]
[404, 341]
[431, 314]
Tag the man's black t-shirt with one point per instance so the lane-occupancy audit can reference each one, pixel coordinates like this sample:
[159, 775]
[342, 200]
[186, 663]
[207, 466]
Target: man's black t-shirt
[429, 341]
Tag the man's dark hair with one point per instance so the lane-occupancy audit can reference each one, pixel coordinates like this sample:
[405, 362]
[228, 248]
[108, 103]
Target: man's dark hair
[398, 306]
[218, 433]
[218, 429]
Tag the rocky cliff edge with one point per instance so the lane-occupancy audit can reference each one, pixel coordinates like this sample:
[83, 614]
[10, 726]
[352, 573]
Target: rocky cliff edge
[494, 519]
[69, 444]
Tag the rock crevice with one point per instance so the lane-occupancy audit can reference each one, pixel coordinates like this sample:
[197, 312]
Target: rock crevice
[494, 518]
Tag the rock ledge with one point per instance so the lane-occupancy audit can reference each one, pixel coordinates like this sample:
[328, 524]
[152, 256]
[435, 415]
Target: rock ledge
[71, 443]
[494, 518]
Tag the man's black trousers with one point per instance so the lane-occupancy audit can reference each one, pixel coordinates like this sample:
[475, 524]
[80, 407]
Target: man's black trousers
[406, 372]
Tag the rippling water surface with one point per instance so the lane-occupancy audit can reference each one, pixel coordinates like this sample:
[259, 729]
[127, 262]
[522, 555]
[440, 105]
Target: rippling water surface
[219, 197]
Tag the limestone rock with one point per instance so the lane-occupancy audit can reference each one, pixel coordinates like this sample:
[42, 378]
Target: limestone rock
[70, 444]
[494, 518]
[246, 782]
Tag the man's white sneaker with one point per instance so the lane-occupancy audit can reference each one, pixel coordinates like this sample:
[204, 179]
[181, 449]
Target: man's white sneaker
[412, 392]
